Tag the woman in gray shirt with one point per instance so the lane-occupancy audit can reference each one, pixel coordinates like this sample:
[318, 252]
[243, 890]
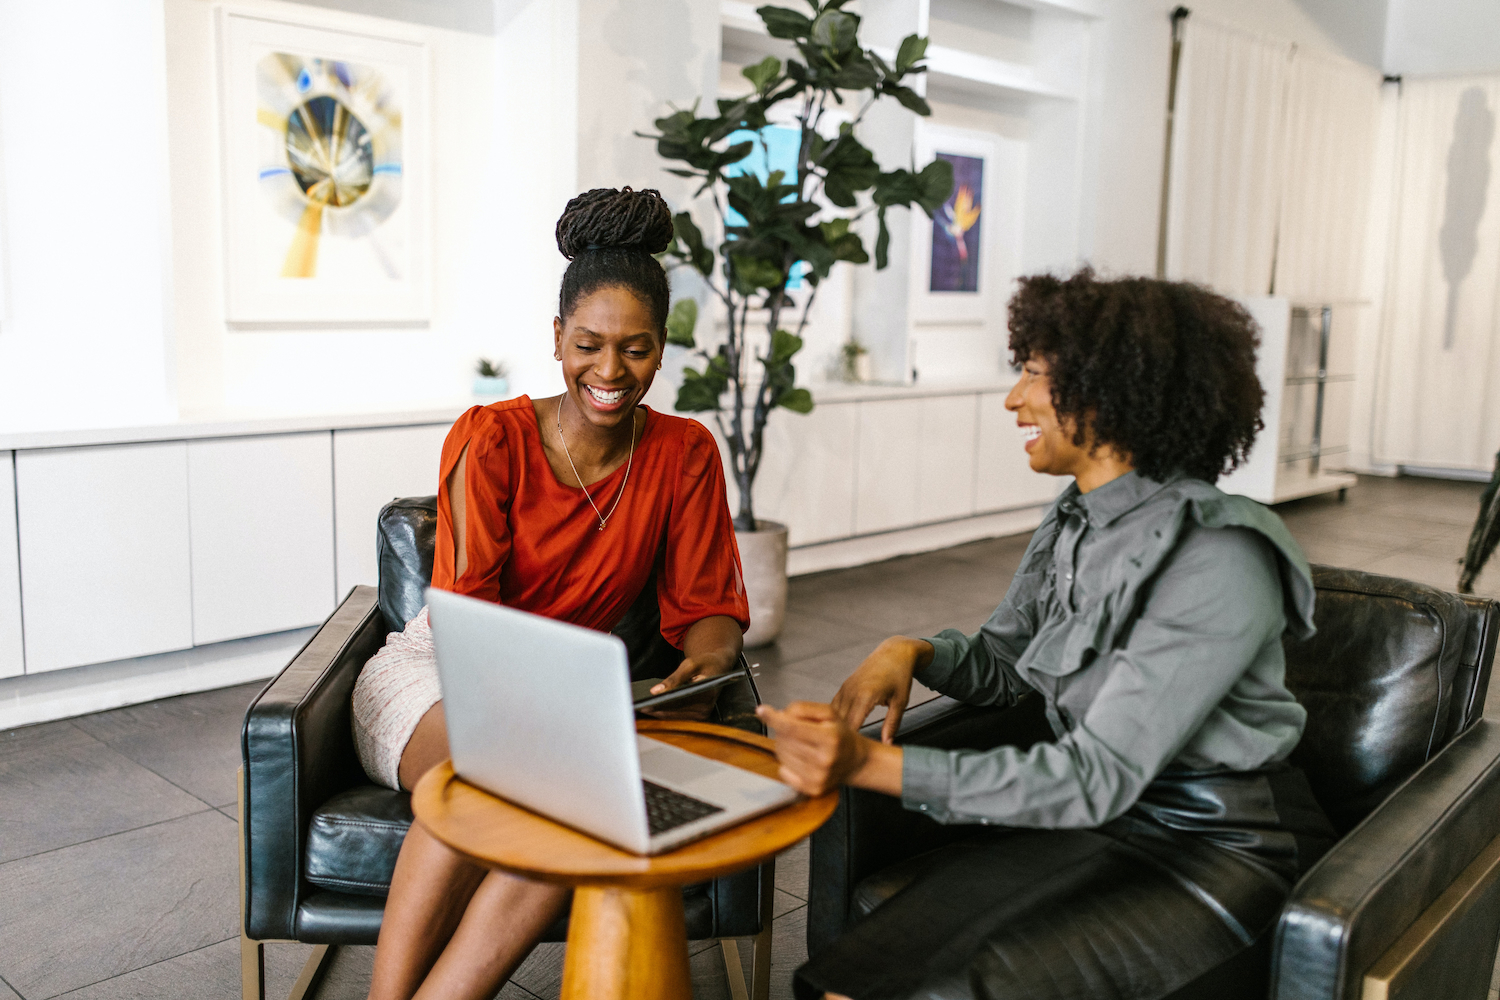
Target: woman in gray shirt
[1147, 849]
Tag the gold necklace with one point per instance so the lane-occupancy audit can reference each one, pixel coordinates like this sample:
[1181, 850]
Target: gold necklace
[619, 496]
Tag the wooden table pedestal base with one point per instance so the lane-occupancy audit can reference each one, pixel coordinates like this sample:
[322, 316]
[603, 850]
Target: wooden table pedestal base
[626, 943]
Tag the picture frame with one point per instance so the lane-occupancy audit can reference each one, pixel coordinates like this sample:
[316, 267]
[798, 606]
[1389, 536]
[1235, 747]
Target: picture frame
[325, 143]
[958, 276]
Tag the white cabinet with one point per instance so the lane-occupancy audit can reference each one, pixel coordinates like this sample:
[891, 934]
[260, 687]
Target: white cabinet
[11, 657]
[262, 534]
[104, 553]
[1003, 476]
[945, 460]
[806, 478]
[370, 468]
[890, 447]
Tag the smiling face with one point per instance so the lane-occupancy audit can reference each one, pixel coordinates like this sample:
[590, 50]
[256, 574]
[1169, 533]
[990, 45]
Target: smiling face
[609, 350]
[1049, 438]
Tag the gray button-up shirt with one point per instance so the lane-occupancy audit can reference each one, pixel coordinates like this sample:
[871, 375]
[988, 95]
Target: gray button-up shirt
[1149, 617]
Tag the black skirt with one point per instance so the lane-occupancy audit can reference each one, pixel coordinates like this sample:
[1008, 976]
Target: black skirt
[1177, 897]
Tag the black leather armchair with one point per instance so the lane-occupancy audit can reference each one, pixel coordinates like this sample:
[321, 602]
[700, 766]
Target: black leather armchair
[1407, 903]
[318, 840]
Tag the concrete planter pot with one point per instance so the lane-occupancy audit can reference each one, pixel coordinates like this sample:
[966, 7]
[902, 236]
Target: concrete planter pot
[763, 555]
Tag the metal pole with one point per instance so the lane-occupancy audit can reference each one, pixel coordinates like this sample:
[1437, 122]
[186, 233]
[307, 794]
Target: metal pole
[1326, 327]
[1178, 16]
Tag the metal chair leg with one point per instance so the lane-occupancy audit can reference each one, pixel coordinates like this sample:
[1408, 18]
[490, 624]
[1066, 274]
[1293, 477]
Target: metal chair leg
[760, 952]
[312, 972]
[760, 963]
[731, 947]
[252, 969]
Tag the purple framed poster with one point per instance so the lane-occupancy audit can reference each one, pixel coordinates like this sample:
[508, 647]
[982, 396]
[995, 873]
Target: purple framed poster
[957, 246]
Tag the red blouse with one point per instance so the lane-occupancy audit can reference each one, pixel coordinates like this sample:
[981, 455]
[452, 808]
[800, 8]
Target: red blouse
[535, 544]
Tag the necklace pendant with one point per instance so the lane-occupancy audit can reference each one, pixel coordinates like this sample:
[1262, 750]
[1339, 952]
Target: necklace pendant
[601, 525]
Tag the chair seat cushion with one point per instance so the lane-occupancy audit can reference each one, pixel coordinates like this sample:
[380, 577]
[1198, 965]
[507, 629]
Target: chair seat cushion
[354, 838]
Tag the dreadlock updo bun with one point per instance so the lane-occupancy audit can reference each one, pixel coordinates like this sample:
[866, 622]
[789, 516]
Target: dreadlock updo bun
[609, 236]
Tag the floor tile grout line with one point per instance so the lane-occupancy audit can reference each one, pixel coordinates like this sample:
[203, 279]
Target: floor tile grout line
[117, 833]
[129, 972]
[10, 986]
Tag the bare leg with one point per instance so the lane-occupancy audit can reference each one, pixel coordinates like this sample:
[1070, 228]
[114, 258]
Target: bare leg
[452, 928]
[503, 922]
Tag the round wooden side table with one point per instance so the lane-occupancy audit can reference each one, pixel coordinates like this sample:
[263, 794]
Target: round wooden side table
[626, 936]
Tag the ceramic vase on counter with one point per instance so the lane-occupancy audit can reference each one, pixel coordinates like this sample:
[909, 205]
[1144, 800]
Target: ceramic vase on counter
[763, 556]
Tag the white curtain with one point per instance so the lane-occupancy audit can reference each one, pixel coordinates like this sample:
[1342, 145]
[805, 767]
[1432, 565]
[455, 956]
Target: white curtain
[1332, 118]
[1438, 400]
[1226, 157]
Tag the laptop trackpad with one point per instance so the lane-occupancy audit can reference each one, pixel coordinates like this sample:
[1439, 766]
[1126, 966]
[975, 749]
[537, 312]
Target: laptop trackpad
[674, 765]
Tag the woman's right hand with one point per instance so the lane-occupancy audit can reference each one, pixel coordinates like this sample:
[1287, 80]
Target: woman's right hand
[883, 679]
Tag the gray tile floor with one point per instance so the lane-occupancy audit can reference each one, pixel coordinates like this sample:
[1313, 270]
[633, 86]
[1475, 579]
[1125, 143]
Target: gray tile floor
[117, 836]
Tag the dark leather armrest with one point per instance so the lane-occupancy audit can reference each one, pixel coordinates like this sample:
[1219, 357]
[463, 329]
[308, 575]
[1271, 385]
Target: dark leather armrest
[1355, 902]
[870, 831]
[297, 748]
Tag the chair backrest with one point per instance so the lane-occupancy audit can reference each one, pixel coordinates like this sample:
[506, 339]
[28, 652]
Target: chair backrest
[1395, 672]
[407, 535]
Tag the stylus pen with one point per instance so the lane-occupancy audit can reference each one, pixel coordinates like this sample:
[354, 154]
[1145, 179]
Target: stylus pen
[690, 689]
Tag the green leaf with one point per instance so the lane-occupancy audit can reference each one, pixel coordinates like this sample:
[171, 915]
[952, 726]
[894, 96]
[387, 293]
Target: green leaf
[882, 242]
[762, 73]
[913, 48]
[796, 400]
[783, 23]
[681, 322]
[835, 30]
[857, 74]
[751, 273]
[701, 257]
[910, 99]
[783, 346]
[697, 393]
[936, 183]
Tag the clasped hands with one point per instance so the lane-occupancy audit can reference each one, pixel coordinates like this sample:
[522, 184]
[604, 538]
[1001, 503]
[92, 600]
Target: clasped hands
[819, 747]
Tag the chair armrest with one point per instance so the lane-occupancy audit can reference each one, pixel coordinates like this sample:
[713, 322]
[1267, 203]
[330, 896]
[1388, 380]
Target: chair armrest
[869, 831]
[297, 748]
[1364, 894]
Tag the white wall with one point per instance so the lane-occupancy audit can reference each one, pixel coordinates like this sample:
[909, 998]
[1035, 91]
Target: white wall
[502, 165]
[83, 174]
[1439, 37]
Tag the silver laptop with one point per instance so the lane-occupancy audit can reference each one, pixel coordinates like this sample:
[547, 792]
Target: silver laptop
[539, 712]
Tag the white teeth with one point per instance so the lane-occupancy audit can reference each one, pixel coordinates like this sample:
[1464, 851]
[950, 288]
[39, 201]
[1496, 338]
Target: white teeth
[1031, 432]
[606, 397]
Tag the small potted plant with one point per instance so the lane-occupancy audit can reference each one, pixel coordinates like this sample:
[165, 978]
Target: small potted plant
[856, 361]
[491, 378]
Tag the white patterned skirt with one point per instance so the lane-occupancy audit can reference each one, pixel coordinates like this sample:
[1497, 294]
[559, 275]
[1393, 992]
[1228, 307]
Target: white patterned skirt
[397, 687]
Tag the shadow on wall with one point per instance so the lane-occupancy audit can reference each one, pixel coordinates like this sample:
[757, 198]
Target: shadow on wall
[1468, 182]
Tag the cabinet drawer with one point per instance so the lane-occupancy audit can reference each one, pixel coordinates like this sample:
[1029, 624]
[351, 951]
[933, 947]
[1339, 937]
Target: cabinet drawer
[104, 553]
[262, 534]
[890, 446]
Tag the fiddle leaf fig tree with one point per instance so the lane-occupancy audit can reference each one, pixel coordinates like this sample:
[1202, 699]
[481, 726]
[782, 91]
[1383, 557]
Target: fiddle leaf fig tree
[772, 223]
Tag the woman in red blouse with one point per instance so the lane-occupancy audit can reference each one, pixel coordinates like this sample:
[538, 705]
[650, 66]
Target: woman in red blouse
[563, 507]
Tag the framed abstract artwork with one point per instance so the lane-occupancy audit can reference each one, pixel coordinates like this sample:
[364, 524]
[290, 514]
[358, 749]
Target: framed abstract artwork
[964, 259]
[325, 139]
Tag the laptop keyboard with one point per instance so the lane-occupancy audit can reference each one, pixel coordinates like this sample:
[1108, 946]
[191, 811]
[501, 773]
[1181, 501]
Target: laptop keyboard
[667, 810]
